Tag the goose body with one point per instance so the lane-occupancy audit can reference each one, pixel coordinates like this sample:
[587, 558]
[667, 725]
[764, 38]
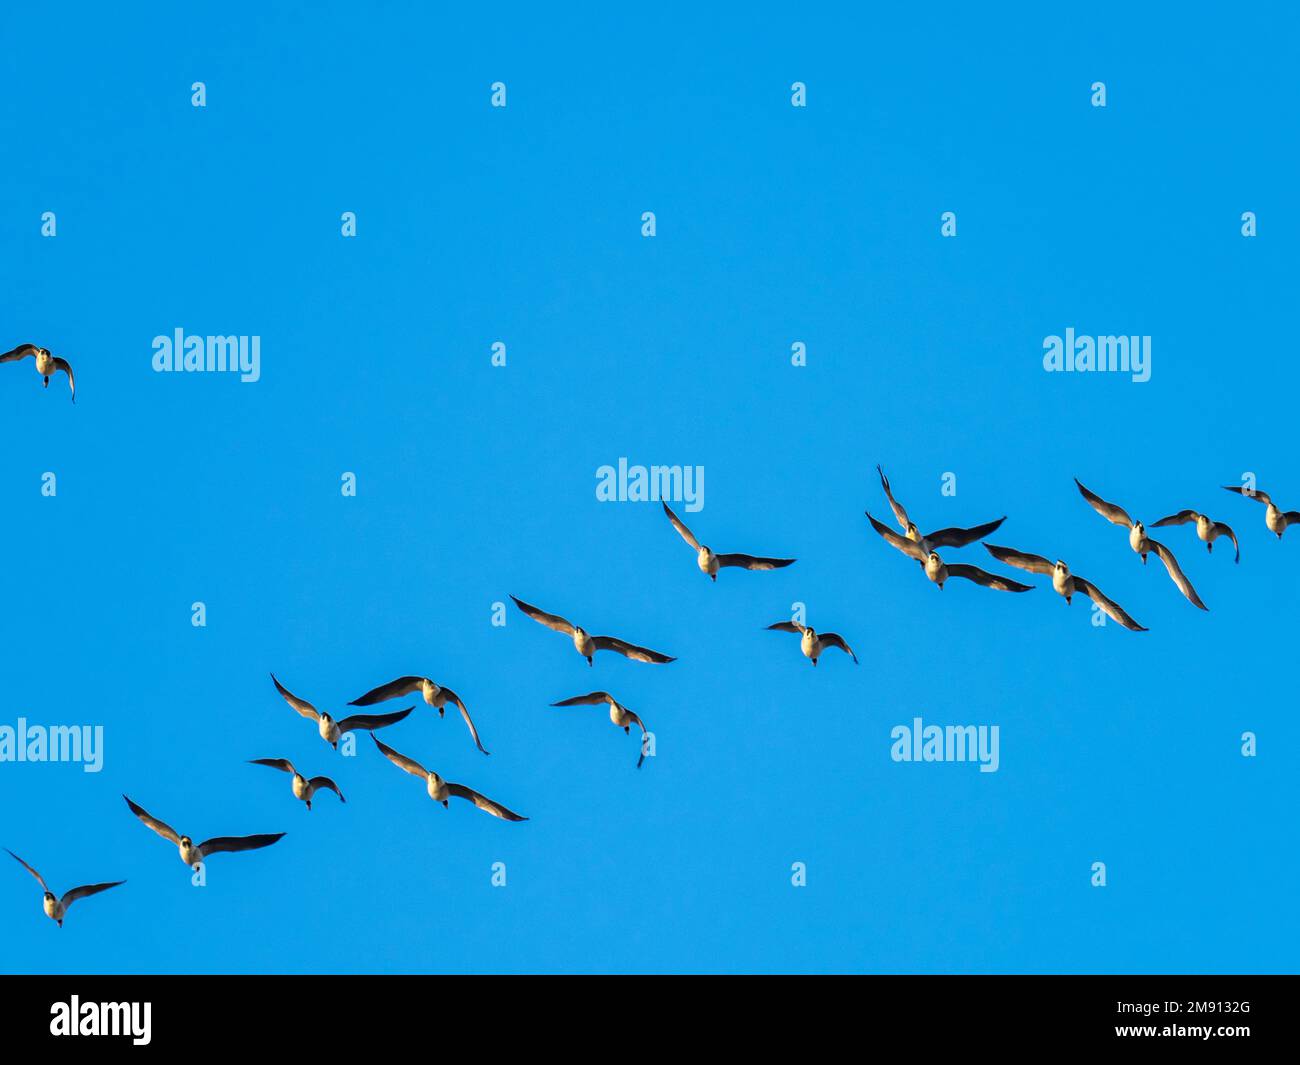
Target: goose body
[56, 907]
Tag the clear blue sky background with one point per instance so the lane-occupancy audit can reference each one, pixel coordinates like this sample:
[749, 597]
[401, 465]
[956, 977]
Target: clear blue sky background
[775, 225]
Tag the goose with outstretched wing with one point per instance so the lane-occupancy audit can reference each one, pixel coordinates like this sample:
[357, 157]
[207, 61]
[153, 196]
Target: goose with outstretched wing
[586, 644]
[47, 365]
[56, 907]
[1064, 582]
[1142, 543]
[330, 729]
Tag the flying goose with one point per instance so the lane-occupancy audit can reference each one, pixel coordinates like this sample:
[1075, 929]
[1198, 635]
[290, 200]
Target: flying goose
[192, 855]
[442, 790]
[953, 537]
[46, 364]
[330, 730]
[711, 563]
[303, 788]
[587, 646]
[1276, 519]
[434, 694]
[1065, 582]
[1142, 543]
[618, 713]
[1207, 528]
[56, 908]
[939, 571]
[813, 643]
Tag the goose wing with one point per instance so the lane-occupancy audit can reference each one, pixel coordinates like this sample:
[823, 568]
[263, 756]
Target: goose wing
[20, 352]
[1222, 530]
[1181, 518]
[27, 867]
[987, 579]
[755, 562]
[62, 364]
[469, 721]
[1113, 514]
[962, 537]
[590, 699]
[1176, 572]
[325, 782]
[630, 650]
[370, 722]
[634, 717]
[400, 760]
[69, 897]
[834, 639]
[551, 621]
[1249, 493]
[301, 705]
[392, 690]
[900, 515]
[908, 547]
[483, 802]
[681, 528]
[1030, 563]
[231, 844]
[1109, 605]
[161, 827]
[282, 764]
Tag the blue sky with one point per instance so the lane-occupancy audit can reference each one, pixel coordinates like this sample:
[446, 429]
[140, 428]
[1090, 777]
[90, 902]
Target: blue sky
[522, 225]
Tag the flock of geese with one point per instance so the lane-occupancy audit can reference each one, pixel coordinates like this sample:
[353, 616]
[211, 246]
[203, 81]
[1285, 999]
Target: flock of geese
[909, 540]
[923, 548]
